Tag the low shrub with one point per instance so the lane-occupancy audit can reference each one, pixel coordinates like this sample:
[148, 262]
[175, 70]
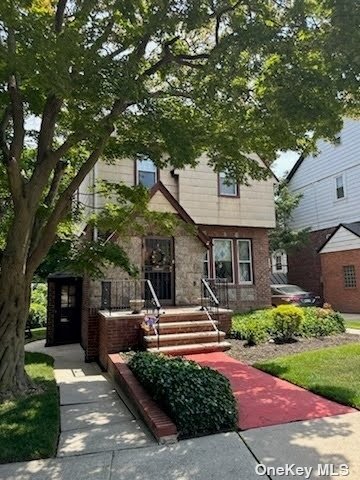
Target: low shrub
[320, 322]
[254, 327]
[286, 321]
[37, 314]
[198, 399]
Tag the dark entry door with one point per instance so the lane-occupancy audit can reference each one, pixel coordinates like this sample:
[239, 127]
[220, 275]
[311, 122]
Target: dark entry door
[68, 310]
[159, 267]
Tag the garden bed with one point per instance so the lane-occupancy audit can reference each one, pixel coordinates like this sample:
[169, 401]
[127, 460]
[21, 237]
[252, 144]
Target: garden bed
[267, 351]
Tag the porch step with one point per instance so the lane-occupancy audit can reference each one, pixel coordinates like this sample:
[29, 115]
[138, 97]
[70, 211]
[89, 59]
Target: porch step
[185, 327]
[192, 348]
[190, 316]
[184, 338]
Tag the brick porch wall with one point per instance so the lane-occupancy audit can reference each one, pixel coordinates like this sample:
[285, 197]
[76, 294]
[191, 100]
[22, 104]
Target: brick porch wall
[304, 264]
[258, 295]
[341, 298]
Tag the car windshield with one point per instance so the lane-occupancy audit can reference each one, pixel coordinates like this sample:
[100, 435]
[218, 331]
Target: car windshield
[291, 289]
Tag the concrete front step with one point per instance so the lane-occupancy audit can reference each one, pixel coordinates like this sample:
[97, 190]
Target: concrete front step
[192, 348]
[184, 338]
[196, 315]
[185, 327]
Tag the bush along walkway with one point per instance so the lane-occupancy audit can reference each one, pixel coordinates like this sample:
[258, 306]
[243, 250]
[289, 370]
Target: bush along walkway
[264, 400]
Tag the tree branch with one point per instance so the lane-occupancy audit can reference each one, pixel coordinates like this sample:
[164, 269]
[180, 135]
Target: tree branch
[4, 122]
[48, 232]
[59, 16]
[51, 110]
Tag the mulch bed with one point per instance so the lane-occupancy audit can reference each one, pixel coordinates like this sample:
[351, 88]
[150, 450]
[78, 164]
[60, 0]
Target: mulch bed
[266, 351]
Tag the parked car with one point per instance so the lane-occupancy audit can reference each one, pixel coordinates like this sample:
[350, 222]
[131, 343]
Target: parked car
[285, 293]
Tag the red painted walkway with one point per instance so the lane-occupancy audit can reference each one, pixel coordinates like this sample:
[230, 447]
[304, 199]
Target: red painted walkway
[265, 400]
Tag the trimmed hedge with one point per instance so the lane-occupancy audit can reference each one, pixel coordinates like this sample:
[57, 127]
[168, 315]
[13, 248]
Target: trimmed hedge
[259, 327]
[198, 399]
[286, 320]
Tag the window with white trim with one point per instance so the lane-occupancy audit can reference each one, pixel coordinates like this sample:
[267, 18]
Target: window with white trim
[340, 187]
[245, 262]
[146, 172]
[223, 259]
[206, 265]
[227, 186]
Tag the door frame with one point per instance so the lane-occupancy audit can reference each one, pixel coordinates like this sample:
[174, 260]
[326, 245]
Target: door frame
[172, 301]
[59, 283]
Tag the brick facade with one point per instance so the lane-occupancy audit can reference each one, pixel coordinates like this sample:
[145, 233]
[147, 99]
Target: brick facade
[304, 266]
[341, 298]
[258, 295]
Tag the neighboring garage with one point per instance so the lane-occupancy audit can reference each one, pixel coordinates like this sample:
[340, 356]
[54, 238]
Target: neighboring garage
[340, 268]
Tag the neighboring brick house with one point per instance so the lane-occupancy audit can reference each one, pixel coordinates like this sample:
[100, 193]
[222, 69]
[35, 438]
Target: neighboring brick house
[329, 183]
[231, 243]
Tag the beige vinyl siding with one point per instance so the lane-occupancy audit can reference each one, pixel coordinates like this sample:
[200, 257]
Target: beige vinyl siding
[159, 203]
[196, 189]
[198, 195]
[342, 240]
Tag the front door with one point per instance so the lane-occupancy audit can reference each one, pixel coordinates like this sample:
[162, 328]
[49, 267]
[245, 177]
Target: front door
[68, 311]
[159, 267]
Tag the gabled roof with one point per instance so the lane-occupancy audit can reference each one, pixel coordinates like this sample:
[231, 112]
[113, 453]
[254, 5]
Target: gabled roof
[160, 187]
[295, 167]
[351, 227]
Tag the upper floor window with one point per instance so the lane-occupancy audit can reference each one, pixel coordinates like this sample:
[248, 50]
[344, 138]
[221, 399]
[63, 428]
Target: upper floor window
[340, 188]
[146, 172]
[227, 186]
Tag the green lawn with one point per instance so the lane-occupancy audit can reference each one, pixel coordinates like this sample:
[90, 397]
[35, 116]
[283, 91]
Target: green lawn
[330, 372]
[350, 324]
[37, 334]
[29, 425]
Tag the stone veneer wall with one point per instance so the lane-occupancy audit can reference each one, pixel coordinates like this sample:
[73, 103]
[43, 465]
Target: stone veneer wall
[189, 265]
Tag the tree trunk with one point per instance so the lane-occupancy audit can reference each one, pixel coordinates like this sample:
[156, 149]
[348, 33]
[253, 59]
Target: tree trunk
[14, 309]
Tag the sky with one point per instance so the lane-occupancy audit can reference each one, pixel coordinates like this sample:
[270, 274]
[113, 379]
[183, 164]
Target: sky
[284, 163]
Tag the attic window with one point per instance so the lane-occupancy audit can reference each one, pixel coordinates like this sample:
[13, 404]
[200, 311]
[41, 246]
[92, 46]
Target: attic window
[227, 186]
[340, 189]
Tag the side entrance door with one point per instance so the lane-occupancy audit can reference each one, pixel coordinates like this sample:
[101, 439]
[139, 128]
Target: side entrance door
[68, 293]
[159, 267]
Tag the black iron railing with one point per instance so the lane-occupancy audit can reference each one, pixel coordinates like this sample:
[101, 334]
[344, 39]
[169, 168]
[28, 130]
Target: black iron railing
[210, 304]
[135, 296]
[220, 288]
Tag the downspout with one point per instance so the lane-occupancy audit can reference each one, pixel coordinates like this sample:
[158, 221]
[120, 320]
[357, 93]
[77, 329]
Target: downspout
[95, 202]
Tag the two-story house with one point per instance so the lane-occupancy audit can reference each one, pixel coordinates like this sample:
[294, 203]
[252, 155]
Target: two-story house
[228, 241]
[329, 183]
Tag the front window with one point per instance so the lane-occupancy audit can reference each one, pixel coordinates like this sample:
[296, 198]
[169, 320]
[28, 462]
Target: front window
[245, 261]
[146, 172]
[349, 276]
[206, 269]
[340, 189]
[223, 260]
[227, 186]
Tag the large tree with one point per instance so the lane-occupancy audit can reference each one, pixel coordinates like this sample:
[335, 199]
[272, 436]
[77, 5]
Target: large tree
[165, 78]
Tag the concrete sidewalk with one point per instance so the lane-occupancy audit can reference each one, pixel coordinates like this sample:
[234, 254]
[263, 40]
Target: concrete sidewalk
[101, 439]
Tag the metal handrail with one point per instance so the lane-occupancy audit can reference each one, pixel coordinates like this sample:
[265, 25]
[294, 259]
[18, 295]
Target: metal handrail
[157, 307]
[216, 304]
[211, 293]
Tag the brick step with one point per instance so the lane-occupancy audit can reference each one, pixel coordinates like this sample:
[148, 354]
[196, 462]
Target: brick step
[185, 327]
[183, 338]
[183, 317]
[192, 348]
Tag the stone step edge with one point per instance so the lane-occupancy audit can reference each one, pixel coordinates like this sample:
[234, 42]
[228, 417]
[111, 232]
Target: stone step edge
[191, 347]
[184, 336]
[158, 422]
